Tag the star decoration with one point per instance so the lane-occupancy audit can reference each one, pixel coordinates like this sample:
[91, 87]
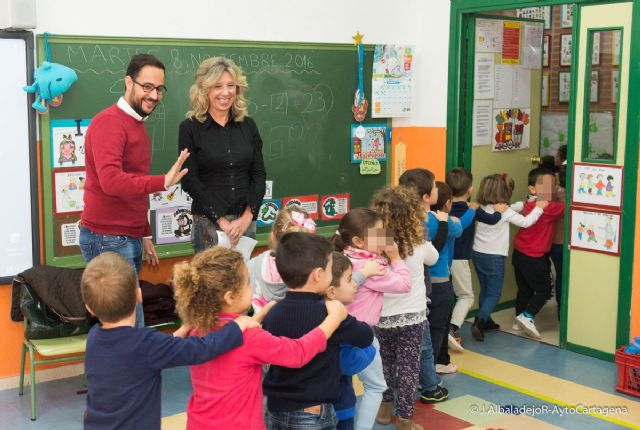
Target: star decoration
[357, 38]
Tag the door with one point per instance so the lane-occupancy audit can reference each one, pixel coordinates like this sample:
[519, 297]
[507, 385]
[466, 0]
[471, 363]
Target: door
[601, 189]
[505, 111]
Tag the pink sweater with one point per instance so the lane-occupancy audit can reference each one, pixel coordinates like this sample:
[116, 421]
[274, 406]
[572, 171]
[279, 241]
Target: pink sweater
[227, 391]
[367, 305]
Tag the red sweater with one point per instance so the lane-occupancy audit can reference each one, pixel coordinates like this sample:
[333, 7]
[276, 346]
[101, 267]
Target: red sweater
[227, 391]
[535, 241]
[118, 158]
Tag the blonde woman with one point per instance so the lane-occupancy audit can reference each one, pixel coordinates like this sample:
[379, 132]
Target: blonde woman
[226, 177]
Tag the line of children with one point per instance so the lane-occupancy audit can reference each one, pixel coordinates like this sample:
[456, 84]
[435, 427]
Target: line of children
[401, 325]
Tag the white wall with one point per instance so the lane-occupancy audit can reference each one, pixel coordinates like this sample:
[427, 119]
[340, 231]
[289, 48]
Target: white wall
[424, 24]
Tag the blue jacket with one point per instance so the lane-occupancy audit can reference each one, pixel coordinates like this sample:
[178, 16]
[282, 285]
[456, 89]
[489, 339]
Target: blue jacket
[441, 268]
[352, 360]
[464, 244]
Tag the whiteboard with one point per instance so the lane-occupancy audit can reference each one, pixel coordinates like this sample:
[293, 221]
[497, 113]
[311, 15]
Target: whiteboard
[19, 190]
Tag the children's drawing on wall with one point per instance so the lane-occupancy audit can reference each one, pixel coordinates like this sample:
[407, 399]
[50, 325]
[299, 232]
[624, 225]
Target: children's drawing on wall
[334, 206]
[595, 231]
[511, 129]
[597, 185]
[67, 142]
[174, 196]
[308, 203]
[68, 187]
[553, 133]
[268, 212]
[173, 225]
[371, 145]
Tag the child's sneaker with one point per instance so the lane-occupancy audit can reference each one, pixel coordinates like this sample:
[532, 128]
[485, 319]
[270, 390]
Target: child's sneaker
[515, 326]
[446, 368]
[439, 394]
[455, 341]
[528, 325]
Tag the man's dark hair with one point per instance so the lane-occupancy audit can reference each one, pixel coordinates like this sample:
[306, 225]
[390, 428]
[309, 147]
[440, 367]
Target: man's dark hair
[534, 174]
[139, 61]
[421, 179]
[459, 180]
[298, 254]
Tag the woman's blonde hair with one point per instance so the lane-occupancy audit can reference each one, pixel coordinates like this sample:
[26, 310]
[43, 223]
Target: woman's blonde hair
[209, 74]
[495, 189]
[284, 224]
[200, 285]
[402, 212]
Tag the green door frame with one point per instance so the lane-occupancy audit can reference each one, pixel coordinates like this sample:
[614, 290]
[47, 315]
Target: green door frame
[459, 126]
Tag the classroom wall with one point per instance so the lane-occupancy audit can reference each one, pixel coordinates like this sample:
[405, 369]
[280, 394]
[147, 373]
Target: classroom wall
[423, 24]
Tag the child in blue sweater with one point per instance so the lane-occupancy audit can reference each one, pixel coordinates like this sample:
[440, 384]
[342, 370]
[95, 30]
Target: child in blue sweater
[353, 360]
[123, 363]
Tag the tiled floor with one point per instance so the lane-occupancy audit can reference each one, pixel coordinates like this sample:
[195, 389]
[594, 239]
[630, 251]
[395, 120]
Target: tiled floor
[505, 371]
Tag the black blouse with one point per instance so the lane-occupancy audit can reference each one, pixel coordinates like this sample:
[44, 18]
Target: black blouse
[226, 168]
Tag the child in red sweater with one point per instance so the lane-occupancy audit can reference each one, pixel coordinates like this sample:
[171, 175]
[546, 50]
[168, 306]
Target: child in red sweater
[532, 269]
[212, 290]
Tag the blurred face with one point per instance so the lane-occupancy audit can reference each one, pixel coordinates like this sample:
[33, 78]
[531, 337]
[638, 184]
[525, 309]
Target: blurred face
[545, 187]
[377, 237]
[242, 299]
[144, 103]
[345, 292]
[222, 94]
[433, 197]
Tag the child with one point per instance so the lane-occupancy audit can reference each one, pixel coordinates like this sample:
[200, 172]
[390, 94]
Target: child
[491, 244]
[401, 325]
[361, 236]
[306, 395]
[352, 359]
[212, 290]
[531, 265]
[423, 181]
[123, 363]
[557, 244]
[460, 182]
[266, 282]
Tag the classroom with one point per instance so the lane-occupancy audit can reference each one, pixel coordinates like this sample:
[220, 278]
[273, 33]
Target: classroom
[496, 87]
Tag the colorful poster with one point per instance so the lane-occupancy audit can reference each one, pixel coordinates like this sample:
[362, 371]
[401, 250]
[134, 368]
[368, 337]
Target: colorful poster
[174, 196]
[334, 206]
[511, 128]
[598, 185]
[67, 142]
[488, 35]
[68, 191]
[268, 212]
[511, 42]
[308, 203]
[173, 225]
[392, 81]
[595, 231]
[368, 141]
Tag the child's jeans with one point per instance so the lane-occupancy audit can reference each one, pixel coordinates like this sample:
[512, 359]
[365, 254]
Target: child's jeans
[428, 378]
[325, 420]
[490, 271]
[372, 379]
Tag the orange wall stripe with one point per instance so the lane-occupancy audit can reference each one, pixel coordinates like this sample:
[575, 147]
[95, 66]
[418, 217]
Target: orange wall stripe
[426, 148]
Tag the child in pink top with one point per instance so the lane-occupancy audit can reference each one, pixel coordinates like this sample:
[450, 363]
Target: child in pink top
[361, 236]
[212, 290]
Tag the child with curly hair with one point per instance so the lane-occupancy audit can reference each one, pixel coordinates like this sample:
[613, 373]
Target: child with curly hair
[212, 290]
[401, 324]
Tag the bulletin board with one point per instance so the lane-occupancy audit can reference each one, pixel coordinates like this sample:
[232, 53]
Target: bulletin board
[300, 96]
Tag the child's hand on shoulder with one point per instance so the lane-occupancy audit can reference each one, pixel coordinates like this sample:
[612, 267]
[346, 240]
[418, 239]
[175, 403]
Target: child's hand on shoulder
[246, 322]
[500, 207]
[542, 204]
[455, 218]
[336, 309]
[473, 205]
[259, 316]
[441, 216]
[183, 331]
[392, 252]
[372, 268]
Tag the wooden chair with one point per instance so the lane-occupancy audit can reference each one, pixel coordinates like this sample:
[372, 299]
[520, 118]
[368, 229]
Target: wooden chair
[56, 350]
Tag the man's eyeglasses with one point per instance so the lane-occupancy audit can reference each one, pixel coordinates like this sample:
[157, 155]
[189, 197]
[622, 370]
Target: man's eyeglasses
[147, 88]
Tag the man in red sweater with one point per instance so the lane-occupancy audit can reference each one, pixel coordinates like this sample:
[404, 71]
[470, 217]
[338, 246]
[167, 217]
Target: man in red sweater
[532, 269]
[118, 158]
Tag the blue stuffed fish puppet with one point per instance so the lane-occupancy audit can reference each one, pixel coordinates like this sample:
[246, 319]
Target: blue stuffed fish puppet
[50, 81]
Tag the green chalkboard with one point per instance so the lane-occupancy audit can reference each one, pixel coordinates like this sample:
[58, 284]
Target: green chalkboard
[299, 94]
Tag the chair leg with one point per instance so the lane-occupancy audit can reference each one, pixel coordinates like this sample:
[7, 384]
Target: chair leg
[22, 360]
[32, 382]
